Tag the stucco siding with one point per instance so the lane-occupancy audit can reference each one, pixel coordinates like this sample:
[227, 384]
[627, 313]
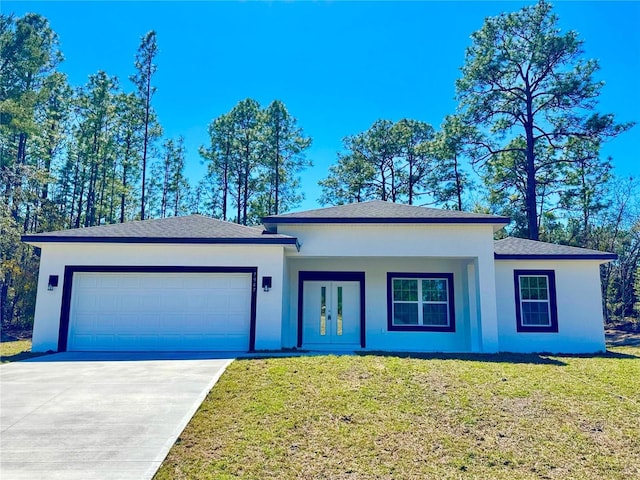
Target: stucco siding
[579, 299]
[484, 288]
[389, 240]
[269, 261]
[412, 248]
[377, 335]
[287, 332]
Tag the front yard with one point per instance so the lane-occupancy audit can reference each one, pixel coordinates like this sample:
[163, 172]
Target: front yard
[394, 417]
[388, 417]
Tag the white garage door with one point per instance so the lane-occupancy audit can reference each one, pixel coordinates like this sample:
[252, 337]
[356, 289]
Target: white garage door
[160, 312]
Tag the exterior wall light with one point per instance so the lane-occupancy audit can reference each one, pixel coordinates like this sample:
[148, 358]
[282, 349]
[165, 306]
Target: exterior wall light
[266, 283]
[53, 282]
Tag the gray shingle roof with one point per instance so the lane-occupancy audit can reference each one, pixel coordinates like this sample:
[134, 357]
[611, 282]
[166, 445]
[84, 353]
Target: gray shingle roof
[379, 211]
[188, 229]
[523, 249]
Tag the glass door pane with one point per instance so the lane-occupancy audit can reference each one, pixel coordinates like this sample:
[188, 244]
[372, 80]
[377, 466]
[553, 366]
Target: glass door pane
[339, 320]
[323, 310]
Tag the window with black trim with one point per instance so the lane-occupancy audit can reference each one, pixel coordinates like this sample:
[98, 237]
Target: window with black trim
[536, 306]
[420, 301]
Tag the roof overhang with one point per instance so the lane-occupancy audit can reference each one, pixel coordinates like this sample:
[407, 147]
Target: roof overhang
[272, 223]
[588, 256]
[266, 240]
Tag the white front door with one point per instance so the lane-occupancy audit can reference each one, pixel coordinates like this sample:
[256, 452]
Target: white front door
[331, 314]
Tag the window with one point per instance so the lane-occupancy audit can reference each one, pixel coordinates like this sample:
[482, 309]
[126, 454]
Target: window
[420, 301]
[536, 308]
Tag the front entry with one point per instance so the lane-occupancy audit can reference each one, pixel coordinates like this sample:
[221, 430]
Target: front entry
[331, 314]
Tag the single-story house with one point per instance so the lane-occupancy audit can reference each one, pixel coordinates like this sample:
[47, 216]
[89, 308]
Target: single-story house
[372, 276]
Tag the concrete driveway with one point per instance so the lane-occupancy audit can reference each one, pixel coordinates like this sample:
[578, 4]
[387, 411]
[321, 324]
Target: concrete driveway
[98, 416]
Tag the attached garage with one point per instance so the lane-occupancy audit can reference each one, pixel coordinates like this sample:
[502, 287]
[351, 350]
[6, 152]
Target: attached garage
[173, 284]
[196, 309]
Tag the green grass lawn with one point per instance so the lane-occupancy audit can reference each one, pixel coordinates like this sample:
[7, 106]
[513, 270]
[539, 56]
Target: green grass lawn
[388, 417]
[13, 350]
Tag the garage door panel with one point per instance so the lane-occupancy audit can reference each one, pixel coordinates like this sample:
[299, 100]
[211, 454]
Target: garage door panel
[86, 324]
[199, 300]
[87, 303]
[168, 342]
[236, 304]
[194, 282]
[107, 282]
[217, 301]
[240, 282]
[106, 301]
[124, 301]
[160, 311]
[153, 283]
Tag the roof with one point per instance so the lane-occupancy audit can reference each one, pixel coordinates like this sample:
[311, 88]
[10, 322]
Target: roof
[512, 248]
[188, 229]
[379, 211]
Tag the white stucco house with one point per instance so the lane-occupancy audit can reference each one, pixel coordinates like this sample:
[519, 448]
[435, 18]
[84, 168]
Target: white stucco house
[365, 276]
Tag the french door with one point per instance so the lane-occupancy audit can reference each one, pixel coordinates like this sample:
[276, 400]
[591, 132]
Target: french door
[331, 314]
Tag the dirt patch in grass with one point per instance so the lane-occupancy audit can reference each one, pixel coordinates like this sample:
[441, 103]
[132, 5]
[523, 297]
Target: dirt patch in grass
[617, 337]
[13, 334]
[392, 417]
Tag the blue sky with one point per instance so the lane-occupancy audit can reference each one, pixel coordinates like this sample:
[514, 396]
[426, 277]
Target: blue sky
[338, 66]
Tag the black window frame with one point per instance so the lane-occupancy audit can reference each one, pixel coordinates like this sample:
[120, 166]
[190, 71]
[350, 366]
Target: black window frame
[420, 328]
[553, 303]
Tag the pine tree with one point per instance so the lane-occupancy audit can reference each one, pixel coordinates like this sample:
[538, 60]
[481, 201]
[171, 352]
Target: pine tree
[527, 85]
[221, 155]
[246, 117]
[143, 80]
[282, 159]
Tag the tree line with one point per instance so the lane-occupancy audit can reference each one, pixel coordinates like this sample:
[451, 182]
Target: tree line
[254, 158]
[73, 157]
[524, 142]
